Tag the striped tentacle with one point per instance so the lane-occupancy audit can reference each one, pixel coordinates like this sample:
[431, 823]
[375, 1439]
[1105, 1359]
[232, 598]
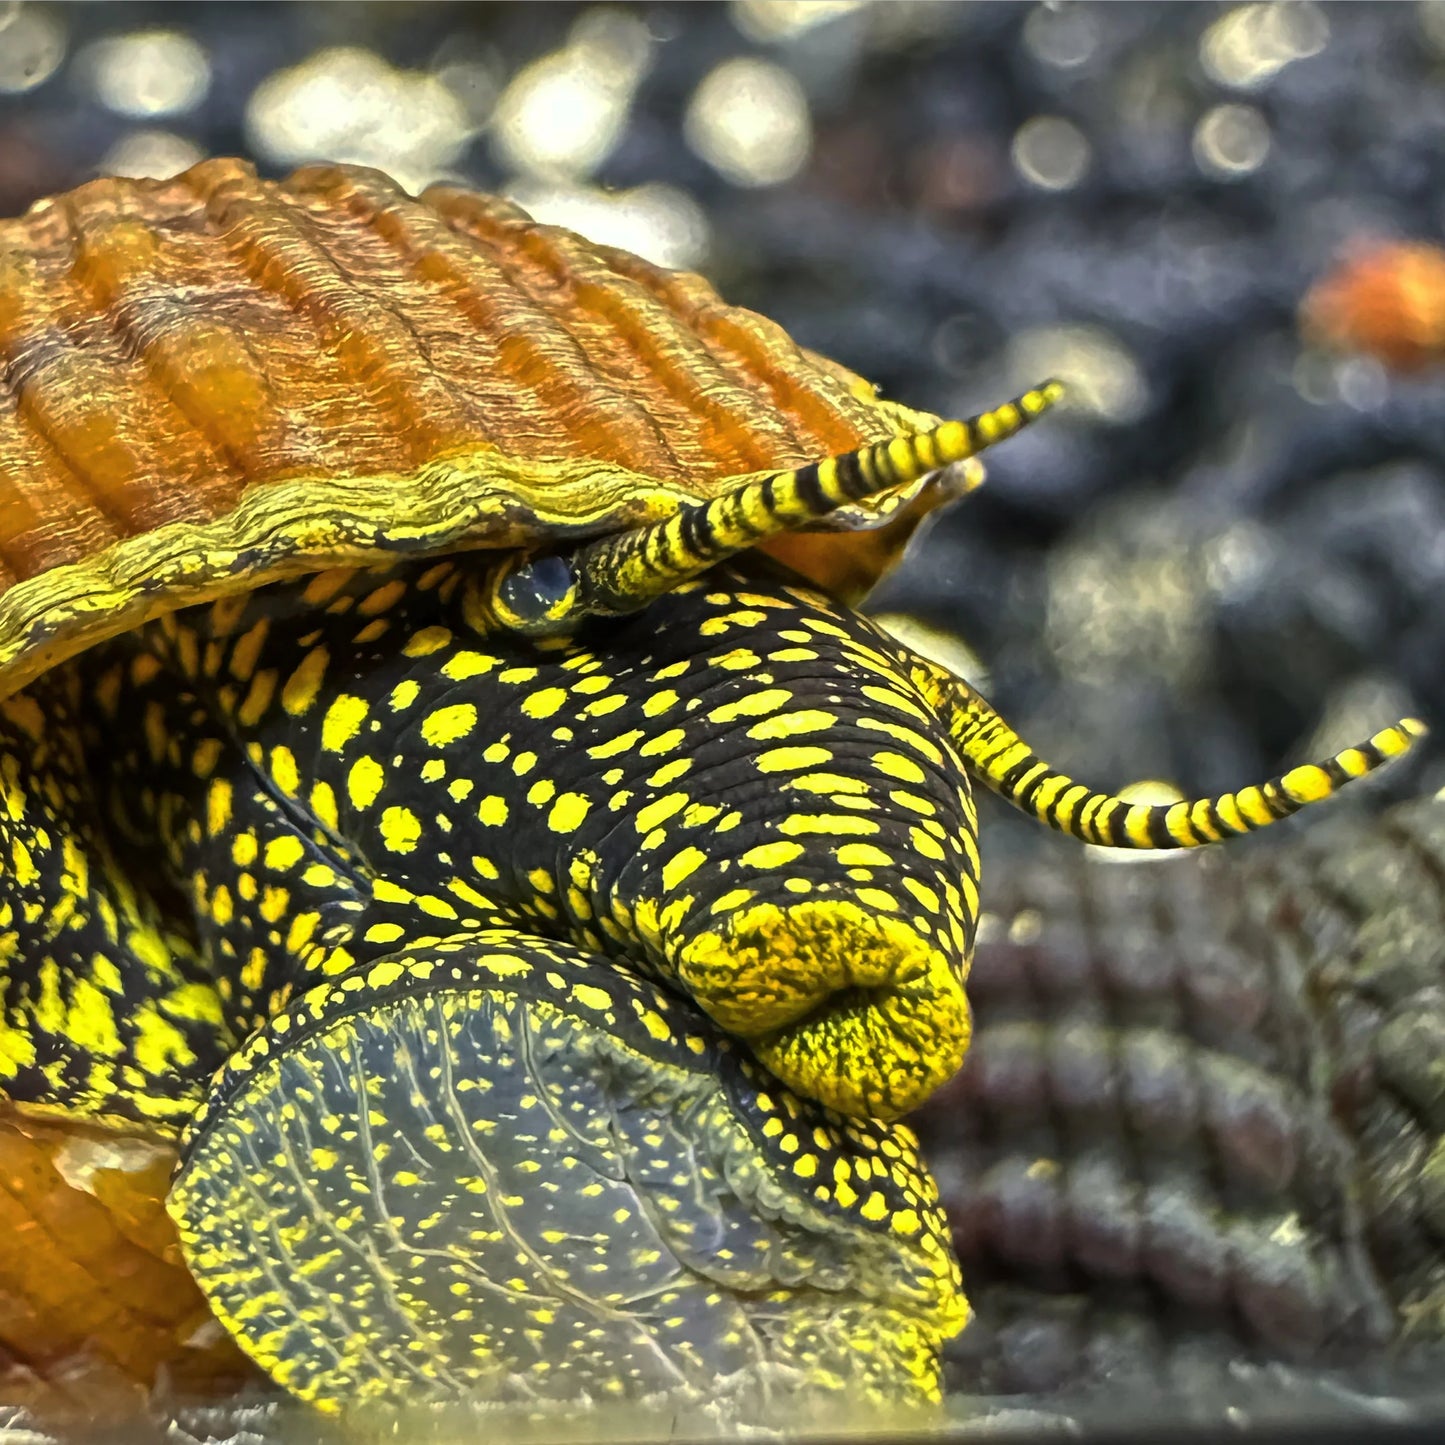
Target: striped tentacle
[623, 573]
[620, 574]
[1003, 762]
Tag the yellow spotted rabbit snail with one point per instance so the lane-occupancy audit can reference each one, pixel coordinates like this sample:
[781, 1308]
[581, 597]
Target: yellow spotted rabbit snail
[450, 799]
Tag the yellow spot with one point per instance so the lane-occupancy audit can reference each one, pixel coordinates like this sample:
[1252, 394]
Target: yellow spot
[659, 812]
[877, 898]
[791, 725]
[258, 698]
[247, 651]
[894, 765]
[284, 770]
[284, 853]
[365, 781]
[447, 724]
[302, 686]
[780, 760]
[462, 665]
[1306, 784]
[589, 997]
[384, 932]
[323, 805]
[218, 806]
[733, 899]
[659, 702]
[568, 813]
[682, 866]
[427, 641]
[753, 704]
[925, 895]
[828, 824]
[493, 811]
[303, 925]
[325, 585]
[342, 722]
[385, 596]
[545, 703]
[663, 743]
[862, 855]
[206, 756]
[771, 855]
[404, 694]
[613, 746]
[400, 829]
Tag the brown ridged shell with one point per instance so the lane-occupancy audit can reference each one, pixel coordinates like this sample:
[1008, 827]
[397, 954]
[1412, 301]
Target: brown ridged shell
[216, 379]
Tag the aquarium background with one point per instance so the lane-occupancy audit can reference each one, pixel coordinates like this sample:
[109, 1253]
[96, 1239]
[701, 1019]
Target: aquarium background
[1224, 556]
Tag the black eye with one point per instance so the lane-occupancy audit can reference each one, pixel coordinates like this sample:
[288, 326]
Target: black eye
[536, 589]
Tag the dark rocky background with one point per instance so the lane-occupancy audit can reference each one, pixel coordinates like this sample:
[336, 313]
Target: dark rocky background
[1226, 556]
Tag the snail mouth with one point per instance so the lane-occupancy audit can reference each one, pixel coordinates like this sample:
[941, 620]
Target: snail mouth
[856, 1010]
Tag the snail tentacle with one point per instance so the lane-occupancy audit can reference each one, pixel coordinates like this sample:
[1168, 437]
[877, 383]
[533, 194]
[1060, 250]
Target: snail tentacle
[999, 759]
[620, 574]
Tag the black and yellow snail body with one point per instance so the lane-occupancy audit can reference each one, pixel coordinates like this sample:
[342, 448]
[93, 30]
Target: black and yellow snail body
[527, 904]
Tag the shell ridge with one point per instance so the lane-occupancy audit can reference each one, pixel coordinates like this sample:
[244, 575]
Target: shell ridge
[273, 244]
[26, 348]
[499, 243]
[792, 387]
[409, 230]
[115, 304]
[695, 378]
[32, 492]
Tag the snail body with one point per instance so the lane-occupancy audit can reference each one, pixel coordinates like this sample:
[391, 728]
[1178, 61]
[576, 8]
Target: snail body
[451, 799]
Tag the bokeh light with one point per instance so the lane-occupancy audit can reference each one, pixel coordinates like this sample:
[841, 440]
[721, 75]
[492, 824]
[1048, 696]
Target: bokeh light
[1249, 45]
[1231, 140]
[150, 154]
[659, 222]
[147, 73]
[1051, 152]
[768, 21]
[32, 45]
[749, 120]
[1063, 36]
[562, 115]
[348, 104]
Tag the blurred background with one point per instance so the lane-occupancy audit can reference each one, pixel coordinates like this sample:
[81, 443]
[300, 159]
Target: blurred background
[1228, 555]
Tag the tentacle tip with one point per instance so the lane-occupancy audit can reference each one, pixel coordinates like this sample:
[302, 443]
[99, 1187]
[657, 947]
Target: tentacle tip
[1045, 395]
[1413, 728]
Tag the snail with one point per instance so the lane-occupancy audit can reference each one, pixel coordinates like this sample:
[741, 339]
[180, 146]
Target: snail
[452, 800]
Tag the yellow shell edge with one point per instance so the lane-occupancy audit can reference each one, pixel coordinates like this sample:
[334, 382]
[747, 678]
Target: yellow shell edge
[475, 499]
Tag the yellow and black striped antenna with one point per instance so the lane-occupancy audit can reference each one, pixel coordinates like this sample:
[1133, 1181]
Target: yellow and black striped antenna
[623, 573]
[1004, 763]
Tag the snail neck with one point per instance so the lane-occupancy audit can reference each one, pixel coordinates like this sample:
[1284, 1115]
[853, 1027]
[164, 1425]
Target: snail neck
[739, 790]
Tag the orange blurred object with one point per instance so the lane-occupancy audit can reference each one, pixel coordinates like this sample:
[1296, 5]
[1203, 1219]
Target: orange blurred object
[96, 1305]
[1386, 299]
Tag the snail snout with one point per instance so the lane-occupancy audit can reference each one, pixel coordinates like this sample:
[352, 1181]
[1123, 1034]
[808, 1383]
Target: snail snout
[860, 1010]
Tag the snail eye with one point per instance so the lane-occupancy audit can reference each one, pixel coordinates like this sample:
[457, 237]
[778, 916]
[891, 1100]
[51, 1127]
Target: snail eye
[538, 595]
